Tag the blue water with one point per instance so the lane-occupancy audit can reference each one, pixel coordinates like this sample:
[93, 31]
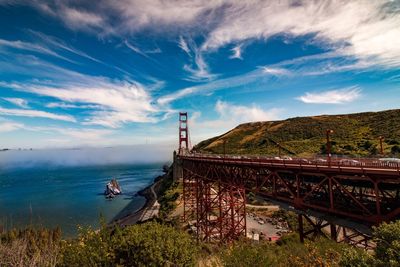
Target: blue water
[70, 196]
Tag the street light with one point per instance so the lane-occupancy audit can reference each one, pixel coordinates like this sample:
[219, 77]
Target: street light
[381, 138]
[224, 148]
[279, 147]
[328, 145]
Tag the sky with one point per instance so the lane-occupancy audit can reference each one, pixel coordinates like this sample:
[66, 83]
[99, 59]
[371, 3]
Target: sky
[116, 73]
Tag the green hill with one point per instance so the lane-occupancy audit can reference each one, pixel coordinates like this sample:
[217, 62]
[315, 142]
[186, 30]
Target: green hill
[354, 134]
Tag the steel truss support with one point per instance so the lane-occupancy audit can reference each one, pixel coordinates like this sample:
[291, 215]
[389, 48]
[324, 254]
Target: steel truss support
[189, 196]
[310, 227]
[221, 211]
[217, 208]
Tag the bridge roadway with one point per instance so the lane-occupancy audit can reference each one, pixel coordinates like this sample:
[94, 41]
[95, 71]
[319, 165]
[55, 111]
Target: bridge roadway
[362, 191]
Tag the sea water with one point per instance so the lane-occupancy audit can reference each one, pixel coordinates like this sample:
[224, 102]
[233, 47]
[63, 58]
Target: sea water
[50, 196]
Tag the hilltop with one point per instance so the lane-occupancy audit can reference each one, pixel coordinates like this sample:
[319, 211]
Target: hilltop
[354, 134]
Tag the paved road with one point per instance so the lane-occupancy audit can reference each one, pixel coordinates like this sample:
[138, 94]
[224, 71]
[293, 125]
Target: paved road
[151, 212]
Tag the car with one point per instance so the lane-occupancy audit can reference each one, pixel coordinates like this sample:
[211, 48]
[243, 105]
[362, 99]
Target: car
[320, 161]
[304, 161]
[286, 158]
[349, 162]
[390, 160]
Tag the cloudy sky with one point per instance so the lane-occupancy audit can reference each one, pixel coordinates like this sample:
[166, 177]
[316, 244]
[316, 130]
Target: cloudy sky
[107, 73]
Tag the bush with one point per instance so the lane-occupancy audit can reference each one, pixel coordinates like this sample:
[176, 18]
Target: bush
[245, 253]
[149, 244]
[353, 257]
[91, 248]
[387, 237]
[153, 244]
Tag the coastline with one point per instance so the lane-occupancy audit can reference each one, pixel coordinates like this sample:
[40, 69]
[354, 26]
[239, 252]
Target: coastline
[150, 194]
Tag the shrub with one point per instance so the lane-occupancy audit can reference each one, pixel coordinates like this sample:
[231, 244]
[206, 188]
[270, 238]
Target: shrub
[387, 237]
[91, 248]
[149, 244]
[153, 244]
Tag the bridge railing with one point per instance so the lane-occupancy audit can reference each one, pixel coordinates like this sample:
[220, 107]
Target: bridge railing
[370, 163]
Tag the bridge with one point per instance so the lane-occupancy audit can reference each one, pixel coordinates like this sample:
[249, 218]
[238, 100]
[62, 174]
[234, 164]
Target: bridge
[339, 198]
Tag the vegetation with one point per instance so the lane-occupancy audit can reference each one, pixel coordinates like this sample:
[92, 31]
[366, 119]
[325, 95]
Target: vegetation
[354, 135]
[168, 192]
[290, 252]
[30, 247]
[149, 244]
[155, 244]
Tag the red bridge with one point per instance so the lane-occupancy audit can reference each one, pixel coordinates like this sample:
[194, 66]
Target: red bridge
[345, 196]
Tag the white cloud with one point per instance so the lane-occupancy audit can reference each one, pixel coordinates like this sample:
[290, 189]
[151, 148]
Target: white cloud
[69, 106]
[183, 45]
[240, 113]
[134, 48]
[31, 47]
[229, 116]
[198, 68]
[117, 102]
[59, 44]
[276, 71]
[365, 29]
[360, 28]
[17, 101]
[10, 126]
[82, 19]
[236, 52]
[137, 15]
[339, 96]
[36, 114]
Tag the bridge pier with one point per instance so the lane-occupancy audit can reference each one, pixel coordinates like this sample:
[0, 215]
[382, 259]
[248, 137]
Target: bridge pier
[217, 209]
[177, 171]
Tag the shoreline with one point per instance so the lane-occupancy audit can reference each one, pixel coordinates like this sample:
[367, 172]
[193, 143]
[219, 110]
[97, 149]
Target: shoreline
[150, 194]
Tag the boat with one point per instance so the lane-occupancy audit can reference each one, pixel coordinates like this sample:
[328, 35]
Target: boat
[112, 189]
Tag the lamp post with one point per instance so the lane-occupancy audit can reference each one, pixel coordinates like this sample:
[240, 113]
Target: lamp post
[279, 149]
[328, 145]
[224, 148]
[381, 138]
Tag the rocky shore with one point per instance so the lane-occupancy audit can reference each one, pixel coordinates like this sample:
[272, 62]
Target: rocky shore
[150, 207]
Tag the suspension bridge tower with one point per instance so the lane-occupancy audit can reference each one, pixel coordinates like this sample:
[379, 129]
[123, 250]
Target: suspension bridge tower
[183, 133]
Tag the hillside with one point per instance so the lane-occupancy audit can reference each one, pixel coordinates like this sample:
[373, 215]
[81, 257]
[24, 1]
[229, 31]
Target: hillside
[354, 134]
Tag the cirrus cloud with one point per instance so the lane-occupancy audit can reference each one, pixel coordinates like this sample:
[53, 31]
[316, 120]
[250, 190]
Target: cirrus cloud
[339, 96]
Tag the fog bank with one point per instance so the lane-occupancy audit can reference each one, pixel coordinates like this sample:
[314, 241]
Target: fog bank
[85, 156]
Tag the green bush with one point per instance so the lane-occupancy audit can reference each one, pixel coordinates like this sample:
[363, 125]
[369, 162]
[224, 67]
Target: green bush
[91, 248]
[154, 244]
[387, 237]
[149, 244]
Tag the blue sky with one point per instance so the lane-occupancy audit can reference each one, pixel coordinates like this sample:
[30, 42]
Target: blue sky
[109, 73]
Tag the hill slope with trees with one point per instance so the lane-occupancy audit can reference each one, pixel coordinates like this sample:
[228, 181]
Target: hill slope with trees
[354, 135]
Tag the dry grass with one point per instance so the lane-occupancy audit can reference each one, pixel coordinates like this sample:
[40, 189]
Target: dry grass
[18, 253]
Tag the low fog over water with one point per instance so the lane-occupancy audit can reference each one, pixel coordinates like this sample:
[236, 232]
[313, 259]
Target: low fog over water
[85, 156]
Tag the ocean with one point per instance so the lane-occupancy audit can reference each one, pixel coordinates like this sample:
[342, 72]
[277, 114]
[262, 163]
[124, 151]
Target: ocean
[68, 196]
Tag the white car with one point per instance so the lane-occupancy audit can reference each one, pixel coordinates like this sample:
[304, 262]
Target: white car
[349, 162]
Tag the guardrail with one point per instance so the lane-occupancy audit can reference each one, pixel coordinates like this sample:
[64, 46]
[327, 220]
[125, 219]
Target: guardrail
[367, 163]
